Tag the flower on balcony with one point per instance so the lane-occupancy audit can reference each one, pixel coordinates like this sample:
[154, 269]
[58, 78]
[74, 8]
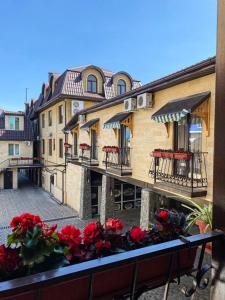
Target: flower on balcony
[71, 237]
[110, 149]
[114, 225]
[92, 233]
[10, 261]
[102, 247]
[137, 234]
[85, 146]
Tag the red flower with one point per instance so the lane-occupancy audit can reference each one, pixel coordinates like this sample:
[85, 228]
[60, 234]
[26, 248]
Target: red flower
[25, 222]
[164, 214]
[92, 233]
[102, 246]
[70, 235]
[9, 259]
[114, 225]
[137, 234]
[47, 231]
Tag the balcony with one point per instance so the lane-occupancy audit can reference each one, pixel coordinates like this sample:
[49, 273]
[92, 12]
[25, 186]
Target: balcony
[88, 155]
[117, 160]
[180, 172]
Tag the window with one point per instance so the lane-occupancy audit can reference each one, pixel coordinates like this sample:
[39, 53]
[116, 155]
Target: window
[75, 143]
[92, 84]
[50, 147]
[61, 148]
[43, 121]
[54, 144]
[14, 123]
[50, 118]
[121, 87]
[43, 146]
[13, 149]
[94, 153]
[60, 114]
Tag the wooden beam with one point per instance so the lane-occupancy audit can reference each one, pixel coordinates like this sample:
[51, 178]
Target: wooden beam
[218, 282]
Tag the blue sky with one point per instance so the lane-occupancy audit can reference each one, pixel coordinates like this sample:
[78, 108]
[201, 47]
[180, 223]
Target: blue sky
[147, 38]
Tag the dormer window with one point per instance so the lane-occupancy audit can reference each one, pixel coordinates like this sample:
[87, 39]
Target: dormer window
[121, 87]
[92, 84]
[14, 123]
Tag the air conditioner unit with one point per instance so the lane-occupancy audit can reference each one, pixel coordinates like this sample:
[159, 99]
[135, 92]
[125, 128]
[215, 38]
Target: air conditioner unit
[130, 104]
[76, 106]
[145, 101]
[28, 143]
[82, 119]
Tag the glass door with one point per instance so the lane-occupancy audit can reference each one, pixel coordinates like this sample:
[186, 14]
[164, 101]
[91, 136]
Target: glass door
[124, 144]
[94, 145]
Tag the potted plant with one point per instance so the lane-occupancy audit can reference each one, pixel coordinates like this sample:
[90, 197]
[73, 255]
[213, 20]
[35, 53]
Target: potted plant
[84, 146]
[201, 215]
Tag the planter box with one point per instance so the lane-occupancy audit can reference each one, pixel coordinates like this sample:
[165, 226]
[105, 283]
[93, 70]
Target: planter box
[112, 276]
[182, 156]
[157, 153]
[85, 147]
[168, 154]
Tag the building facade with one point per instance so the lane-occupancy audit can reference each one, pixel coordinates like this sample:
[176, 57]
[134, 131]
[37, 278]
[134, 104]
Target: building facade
[16, 146]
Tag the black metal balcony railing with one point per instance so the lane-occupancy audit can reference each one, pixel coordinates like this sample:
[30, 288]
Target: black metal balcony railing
[89, 155]
[187, 170]
[25, 161]
[119, 160]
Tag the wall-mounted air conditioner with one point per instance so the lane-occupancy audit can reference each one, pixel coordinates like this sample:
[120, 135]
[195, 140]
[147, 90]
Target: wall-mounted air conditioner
[76, 106]
[130, 104]
[145, 101]
[28, 143]
[82, 119]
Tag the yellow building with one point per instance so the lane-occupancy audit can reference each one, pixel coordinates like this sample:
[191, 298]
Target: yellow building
[16, 146]
[60, 101]
[149, 146]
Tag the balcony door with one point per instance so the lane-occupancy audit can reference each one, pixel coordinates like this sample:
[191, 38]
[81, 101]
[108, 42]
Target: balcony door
[94, 145]
[188, 137]
[124, 144]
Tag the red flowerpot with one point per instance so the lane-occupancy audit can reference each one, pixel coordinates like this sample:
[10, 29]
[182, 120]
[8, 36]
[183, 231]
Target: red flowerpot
[202, 228]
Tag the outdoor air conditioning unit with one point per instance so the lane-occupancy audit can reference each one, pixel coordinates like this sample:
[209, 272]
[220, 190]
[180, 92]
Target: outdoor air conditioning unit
[82, 119]
[145, 101]
[130, 104]
[28, 143]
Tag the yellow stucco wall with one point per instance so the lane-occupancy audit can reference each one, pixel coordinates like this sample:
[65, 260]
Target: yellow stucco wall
[148, 134]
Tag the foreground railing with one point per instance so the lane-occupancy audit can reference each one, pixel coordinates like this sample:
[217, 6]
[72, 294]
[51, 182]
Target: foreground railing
[119, 159]
[119, 276]
[183, 169]
[89, 155]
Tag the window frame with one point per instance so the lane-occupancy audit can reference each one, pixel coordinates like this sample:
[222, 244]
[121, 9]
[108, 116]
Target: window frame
[50, 118]
[43, 120]
[92, 83]
[50, 147]
[60, 114]
[14, 146]
[43, 146]
[14, 120]
[60, 148]
[119, 87]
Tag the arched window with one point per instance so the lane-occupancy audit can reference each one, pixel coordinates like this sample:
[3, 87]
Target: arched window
[92, 84]
[121, 87]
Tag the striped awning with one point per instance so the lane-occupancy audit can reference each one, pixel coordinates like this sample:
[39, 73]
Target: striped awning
[89, 124]
[177, 109]
[115, 121]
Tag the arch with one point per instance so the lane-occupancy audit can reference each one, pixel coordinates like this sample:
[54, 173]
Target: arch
[96, 68]
[92, 84]
[123, 73]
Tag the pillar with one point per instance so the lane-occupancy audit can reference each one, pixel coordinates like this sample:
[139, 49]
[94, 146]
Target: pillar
[85, 194]
[218, 252]
[148, 207]
[107, 199]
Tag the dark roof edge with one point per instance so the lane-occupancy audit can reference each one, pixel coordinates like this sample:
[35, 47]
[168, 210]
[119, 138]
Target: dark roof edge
[200, 69]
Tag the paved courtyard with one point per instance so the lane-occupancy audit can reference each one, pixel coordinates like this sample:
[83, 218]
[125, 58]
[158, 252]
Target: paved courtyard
[34, 200]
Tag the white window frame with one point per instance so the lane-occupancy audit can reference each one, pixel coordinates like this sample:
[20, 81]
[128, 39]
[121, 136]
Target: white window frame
[14, 122]
[14, 149]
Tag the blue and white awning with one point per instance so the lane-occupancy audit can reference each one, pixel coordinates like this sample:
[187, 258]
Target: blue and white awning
[177, 109]
[115, 121]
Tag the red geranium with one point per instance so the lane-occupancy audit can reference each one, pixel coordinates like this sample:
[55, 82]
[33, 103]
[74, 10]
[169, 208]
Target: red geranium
[25, 222]
[137, 234]
[92, 233]
[70, 235]
[9, 259]
[164, 214]
[114, 225]
[47, 231]
[102, 246]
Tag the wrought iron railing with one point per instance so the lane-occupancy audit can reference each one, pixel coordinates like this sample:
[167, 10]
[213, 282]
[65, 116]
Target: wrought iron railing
[25, 161]
[89, 154]
[184, 169]
[119, 158]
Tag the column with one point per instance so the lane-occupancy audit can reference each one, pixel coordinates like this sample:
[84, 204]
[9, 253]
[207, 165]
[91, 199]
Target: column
[107, 200]
[148, 207]
[85, 194]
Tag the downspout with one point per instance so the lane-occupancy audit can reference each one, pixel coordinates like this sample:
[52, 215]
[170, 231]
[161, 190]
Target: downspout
[64, 171]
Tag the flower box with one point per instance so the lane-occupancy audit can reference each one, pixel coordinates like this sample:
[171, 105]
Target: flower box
[157, 153]
[182, 156]
[110, 149]
[108, 281]
[168, 154]
[85, 146]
